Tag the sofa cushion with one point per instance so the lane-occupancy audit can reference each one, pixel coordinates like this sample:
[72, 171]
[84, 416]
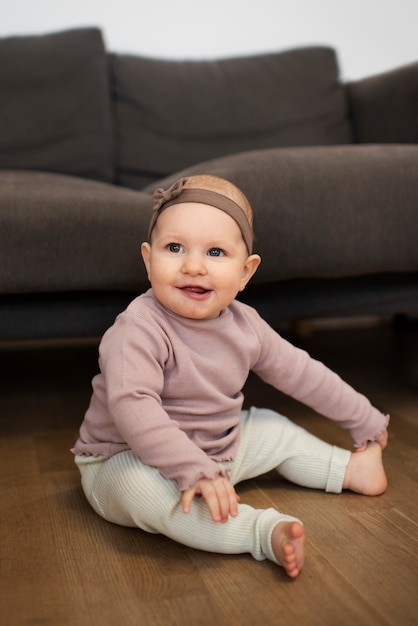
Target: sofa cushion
[62, 233]
[55, 104]
[171, 114]
[327, 212]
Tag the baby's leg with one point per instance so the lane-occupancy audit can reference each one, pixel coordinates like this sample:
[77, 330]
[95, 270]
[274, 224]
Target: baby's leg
[126, 492]
[269, 441]
[322, 466]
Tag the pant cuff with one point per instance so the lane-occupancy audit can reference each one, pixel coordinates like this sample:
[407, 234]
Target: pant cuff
[338, 466]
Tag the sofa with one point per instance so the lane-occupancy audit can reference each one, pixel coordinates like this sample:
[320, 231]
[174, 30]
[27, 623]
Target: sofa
[330, 168]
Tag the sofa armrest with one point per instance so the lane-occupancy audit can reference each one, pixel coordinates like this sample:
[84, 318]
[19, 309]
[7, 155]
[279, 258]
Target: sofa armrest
[384, 108]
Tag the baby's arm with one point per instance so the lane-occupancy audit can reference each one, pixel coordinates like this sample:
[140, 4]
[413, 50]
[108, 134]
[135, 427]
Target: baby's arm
[133, 359]
[294, 372]
[219, 495]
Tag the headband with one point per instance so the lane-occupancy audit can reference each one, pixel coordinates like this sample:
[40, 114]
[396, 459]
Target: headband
[176, 194]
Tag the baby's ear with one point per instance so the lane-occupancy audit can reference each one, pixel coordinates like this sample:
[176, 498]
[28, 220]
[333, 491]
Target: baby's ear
[250, 267]
[146, 256]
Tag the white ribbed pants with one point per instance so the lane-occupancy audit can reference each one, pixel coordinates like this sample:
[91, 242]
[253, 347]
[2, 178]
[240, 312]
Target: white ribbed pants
[126, 492]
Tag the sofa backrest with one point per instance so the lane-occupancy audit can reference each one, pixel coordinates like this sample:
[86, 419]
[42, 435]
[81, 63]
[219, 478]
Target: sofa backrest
[55, 109]
[172, 114]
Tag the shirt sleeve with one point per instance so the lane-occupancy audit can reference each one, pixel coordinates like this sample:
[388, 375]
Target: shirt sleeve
[294, 372]
[132, 357]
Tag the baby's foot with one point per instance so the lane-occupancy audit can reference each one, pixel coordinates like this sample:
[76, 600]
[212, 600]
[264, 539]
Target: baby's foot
[365, 473]
[287, 543]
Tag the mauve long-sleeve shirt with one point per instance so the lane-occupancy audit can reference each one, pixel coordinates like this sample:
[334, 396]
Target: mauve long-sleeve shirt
[170, 388]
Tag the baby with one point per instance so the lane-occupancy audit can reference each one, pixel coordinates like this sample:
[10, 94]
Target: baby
[165, 422]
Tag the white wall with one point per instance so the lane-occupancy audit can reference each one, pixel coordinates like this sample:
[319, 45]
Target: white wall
[370, 36]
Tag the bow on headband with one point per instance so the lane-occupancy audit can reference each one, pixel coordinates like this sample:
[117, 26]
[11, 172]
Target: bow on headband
[161, 196]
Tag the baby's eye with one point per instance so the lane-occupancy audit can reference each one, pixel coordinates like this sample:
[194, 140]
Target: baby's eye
[216, 252]
[175, 247]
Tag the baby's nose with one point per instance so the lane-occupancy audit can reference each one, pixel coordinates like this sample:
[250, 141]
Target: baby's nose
[194, 264]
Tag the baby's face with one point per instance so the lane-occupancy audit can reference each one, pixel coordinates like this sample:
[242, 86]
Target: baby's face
[197, 261]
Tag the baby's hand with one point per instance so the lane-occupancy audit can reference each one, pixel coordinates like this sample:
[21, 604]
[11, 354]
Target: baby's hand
[220, 497]
[382, 440]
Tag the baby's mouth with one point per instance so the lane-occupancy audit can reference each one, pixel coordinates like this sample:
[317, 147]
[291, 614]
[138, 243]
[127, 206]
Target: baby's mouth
[195, 289]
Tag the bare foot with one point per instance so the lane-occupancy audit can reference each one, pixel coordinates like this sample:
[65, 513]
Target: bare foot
[365, 473]
[287, 543]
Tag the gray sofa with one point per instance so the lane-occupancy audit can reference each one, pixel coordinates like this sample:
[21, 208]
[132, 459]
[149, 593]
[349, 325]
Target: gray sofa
[331, 170]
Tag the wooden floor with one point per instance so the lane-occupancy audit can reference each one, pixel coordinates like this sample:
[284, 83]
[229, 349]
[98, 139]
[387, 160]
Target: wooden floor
[62, 565]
